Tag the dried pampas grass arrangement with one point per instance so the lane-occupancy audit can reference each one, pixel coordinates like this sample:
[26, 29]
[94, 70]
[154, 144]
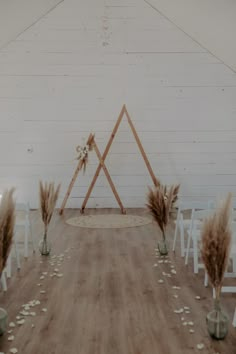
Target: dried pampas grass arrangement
[161, 204]
[48, 195]
[216, 241]
[83, 152]
[7, 224]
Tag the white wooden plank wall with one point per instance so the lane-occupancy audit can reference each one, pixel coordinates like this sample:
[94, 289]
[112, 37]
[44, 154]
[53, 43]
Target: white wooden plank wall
[70, 73]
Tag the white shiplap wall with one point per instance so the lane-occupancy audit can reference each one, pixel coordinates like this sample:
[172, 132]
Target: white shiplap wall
[70, 73]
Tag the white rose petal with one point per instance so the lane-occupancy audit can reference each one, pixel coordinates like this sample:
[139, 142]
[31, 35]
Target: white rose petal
[12, 324]
[11, 338]
[200, 346]
[13, 351]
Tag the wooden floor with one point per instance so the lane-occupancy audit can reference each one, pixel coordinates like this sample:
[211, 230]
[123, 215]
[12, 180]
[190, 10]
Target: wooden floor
[109, 300]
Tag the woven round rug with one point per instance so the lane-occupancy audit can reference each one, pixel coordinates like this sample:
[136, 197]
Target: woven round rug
[108, 221]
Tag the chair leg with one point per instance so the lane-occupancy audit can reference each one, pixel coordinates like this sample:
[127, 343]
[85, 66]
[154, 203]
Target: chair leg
[8, 267]
[195, 255]
[206, 279]
[17, 255]
[187, 250]
[26, 241]
[3, 281]
[176, 230]
[182, 245]
[234, 319]
[32, 237]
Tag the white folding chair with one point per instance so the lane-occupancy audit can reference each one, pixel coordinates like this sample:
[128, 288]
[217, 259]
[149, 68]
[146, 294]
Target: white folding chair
[23, 221]
[194, 236]
[183, 224]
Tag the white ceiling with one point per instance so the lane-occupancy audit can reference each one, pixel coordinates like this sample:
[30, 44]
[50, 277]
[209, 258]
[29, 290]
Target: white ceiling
[17, 16]
[212, 23]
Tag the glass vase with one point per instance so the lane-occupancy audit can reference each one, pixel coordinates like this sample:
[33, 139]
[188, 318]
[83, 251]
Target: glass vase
[44, 247]
[217, 322]
[3, 321]
[162, 247]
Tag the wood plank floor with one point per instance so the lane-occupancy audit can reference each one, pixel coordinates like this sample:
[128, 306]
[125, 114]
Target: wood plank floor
[109, 300]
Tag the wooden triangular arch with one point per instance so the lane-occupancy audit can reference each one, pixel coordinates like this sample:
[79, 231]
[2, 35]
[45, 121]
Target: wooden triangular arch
[123, 113]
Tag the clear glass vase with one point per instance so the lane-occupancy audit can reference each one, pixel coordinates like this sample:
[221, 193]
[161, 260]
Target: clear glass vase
[217, 322]
[162, 247]
[3, 321]
[44, 247]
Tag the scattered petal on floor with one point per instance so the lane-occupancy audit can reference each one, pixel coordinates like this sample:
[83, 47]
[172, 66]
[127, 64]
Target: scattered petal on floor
[45, 273]
[190, 323]
[20, 322]
[197, 297]
[10, 338]
[161, 261]
[200, 346]
[191, 330]
[32, 326]
[179, 311]
[175, 296]
[42, 277]
[184, 323]
[42, 292]
[173, 271]
[12, 324]
[160, 281]
[10, 331]
[13, 351]
[182, 318]
[44, 310]
[155, 265]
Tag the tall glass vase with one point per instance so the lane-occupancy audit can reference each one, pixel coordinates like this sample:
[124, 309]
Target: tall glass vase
[217, 322]
[162, 245]
[45, 246]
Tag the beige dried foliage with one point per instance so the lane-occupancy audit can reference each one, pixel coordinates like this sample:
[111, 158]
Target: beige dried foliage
[84, 160]
[7, 224]
[216, 240]
[48, 195]
[161, 202]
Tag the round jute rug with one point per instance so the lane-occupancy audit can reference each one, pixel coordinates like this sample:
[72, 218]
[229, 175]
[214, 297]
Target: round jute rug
[108, 221]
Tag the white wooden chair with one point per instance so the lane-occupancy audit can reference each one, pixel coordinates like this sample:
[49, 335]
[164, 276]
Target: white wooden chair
[194, 236]
[23, 221]
[183, 224]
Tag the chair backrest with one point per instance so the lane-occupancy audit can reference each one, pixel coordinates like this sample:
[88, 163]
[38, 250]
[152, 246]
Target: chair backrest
[190, 205]
[22, 214]
[198, 216]
[22, 207]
